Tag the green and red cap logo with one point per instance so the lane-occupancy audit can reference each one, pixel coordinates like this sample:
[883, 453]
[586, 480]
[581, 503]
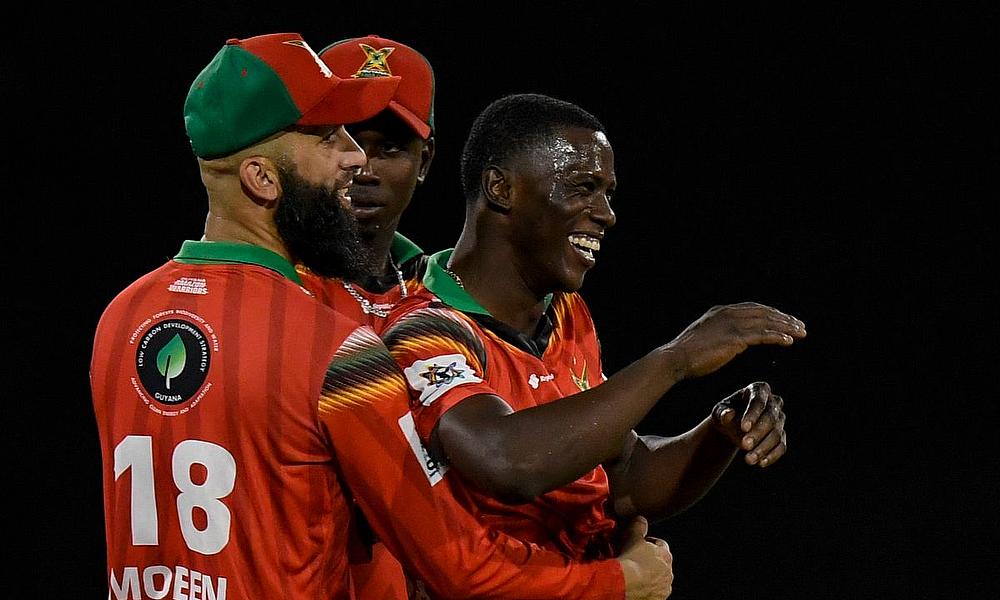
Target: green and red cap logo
[258, 86]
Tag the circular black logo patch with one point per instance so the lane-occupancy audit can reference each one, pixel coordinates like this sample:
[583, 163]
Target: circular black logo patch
[172, 360]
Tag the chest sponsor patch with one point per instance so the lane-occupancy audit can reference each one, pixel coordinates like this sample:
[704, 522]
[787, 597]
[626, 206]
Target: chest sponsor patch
[435, 376]
[535, 380]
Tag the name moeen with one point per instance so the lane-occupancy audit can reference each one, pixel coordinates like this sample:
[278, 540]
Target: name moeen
[160, 581]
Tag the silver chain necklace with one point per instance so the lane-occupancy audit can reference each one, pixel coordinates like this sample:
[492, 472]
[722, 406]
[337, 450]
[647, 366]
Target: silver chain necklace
[455, 276]
[379, 310]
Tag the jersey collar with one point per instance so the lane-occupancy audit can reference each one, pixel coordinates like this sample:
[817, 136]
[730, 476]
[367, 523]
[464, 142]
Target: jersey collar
[437, 280]
[402, 249]
[204, 252]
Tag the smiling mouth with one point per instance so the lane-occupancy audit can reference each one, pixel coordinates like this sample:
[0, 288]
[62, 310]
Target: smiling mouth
[585, 245]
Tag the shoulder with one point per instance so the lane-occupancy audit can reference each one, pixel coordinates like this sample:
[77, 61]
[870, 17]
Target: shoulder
[360, 355]
[425, 314]
[422, 320]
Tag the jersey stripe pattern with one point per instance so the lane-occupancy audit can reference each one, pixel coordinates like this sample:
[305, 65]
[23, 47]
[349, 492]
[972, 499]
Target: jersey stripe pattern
[447, 357]
[217, 483]
[242, 423]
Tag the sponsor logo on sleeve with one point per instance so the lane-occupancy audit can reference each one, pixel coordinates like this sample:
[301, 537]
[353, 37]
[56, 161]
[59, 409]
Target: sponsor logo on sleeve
[433, 469]
[435, 376]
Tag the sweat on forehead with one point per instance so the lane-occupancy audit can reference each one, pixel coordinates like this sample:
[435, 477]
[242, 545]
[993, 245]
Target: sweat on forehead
[513, 124]
[565, 150]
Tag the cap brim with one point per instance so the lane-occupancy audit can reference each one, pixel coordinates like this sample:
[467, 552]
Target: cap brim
[416, 123]
[352, 100]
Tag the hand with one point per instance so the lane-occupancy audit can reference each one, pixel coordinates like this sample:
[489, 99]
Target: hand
[646, 563]
[725, 331]
[761, 430]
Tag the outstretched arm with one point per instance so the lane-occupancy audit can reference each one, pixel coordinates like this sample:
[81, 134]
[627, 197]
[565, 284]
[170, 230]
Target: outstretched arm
[415, 507]
[521, 454]
[662, 476]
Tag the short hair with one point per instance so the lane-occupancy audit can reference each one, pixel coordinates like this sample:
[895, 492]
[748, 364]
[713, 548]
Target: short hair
[513, 125]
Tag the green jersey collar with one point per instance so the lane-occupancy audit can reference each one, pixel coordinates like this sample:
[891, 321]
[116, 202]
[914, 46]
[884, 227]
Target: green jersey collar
[203, 252]
[403, 249]
[442, 285]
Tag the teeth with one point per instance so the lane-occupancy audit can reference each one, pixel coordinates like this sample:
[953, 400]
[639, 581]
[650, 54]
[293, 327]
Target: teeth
[585, 242]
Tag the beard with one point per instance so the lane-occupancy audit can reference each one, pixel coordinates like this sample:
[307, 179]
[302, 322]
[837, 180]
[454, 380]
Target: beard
[319, 232]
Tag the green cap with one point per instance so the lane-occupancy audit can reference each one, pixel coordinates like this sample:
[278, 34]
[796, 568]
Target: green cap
[258, 86]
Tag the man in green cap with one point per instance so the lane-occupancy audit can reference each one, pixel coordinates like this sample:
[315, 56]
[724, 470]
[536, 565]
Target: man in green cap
[239, 417]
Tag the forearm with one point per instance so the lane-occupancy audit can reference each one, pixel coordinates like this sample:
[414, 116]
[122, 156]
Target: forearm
[531, 451]
[516, 570]
[430, 531]
[664, 476]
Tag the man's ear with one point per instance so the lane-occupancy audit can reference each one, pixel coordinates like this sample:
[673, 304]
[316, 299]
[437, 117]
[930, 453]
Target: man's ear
[497, 188]
[426, 156]
[260, 181]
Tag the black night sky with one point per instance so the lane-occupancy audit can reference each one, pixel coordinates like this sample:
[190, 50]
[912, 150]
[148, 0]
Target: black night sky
[840, 164]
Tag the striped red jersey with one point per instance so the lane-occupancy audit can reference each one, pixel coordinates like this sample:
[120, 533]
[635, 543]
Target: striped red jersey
[378, 576]
[240, 420]
[450, 349]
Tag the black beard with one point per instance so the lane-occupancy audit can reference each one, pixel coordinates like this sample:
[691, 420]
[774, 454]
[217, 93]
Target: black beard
[319, 232]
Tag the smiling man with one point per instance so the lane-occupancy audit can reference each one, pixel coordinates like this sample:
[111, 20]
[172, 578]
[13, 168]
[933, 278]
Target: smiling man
[241, 421]
[503, 362]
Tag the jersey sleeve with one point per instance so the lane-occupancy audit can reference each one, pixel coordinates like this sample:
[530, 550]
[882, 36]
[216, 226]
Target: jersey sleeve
[413, 506]
[443, 361]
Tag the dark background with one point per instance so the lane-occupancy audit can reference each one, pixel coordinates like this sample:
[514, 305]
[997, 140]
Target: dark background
[840, 164]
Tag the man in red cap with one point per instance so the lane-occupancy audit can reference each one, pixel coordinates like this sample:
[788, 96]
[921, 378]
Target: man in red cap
[239, 418]
[399, 146]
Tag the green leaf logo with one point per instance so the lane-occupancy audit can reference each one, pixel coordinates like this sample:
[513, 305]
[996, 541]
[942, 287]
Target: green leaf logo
[170, 361]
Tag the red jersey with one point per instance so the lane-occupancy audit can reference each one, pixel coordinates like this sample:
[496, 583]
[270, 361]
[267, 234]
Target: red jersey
[380, 576]
[369, 306]
[450, 349]
[239, 421]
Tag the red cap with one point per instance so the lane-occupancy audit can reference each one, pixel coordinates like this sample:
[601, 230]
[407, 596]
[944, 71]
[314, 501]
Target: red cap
[372, 57]
[258, 86]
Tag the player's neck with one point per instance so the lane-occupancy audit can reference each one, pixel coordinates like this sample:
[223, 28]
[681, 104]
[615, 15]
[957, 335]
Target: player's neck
[224, 228]
[380, 244]
[490, 275]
